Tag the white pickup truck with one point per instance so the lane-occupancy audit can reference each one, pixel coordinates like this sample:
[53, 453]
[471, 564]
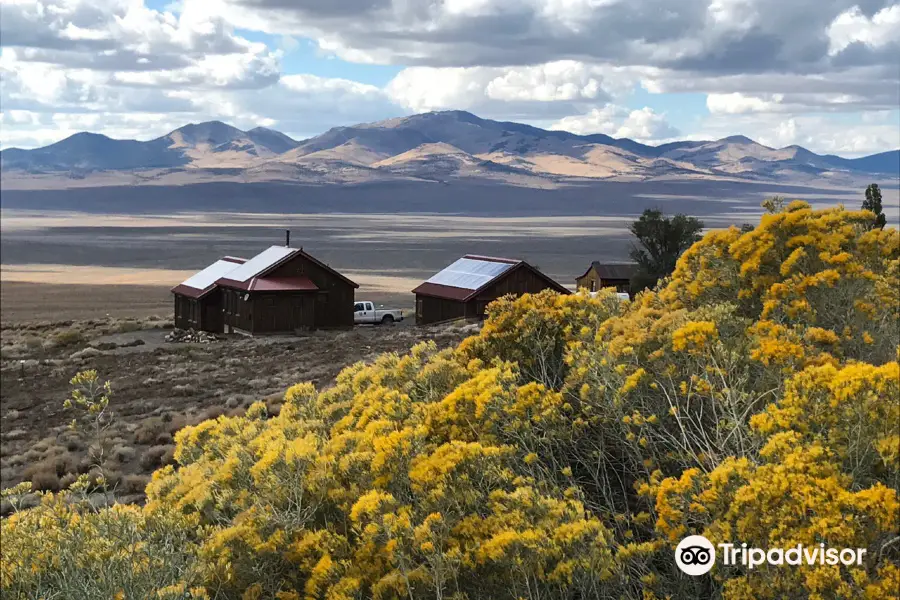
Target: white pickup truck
[366, 312]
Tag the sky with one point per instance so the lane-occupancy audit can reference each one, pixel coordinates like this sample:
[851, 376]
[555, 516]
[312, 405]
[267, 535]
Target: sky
[823, 74]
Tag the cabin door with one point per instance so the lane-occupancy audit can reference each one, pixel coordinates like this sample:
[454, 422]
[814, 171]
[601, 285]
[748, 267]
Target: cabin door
[302, 316]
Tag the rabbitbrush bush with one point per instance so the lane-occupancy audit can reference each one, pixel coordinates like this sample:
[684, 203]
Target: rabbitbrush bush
[561, 453]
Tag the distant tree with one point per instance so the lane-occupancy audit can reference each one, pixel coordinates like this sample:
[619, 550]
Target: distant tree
[662, 240]
[873, 203]
[775, 204]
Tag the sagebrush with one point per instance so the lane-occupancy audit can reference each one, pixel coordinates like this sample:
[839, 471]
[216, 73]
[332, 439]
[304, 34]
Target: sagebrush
[561, 453]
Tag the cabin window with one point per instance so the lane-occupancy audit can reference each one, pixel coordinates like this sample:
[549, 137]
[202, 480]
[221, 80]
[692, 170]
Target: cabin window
[593, 285]
[419, 307]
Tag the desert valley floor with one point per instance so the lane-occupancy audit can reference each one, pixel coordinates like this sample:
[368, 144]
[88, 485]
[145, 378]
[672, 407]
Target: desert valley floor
[102, 243]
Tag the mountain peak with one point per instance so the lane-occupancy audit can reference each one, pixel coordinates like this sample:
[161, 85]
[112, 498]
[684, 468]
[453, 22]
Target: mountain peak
[208, 132]
[439, 137]
[737, 139]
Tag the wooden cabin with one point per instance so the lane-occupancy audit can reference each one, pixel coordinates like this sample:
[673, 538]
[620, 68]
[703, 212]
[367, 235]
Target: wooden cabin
[464, 289]
[280, 290]
[604, 275]
[198, 300]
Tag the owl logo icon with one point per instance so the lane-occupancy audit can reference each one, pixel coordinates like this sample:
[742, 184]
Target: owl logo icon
[695, 555]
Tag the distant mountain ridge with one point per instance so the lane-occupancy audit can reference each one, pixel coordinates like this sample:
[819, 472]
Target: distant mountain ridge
[436, 146]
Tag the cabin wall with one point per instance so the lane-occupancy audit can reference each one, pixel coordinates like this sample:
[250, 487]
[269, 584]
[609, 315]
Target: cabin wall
[211, 312]
[283, 312]
[435, 310]
[237, 312]
[518, 281]
[195, 313]
[594, 283]
[334, 301]
[182, 311]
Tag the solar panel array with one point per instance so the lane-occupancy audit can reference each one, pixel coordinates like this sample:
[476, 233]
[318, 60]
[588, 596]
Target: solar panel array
[209, 275]
[260, 262]
[470, 274]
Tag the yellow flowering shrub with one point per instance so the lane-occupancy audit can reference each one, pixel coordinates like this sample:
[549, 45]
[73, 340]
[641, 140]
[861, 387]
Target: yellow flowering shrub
[560, 453]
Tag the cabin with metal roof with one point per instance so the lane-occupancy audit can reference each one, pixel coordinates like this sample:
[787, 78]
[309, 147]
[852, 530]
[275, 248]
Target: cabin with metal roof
[280, 290]
[604, 275]
[465, 288]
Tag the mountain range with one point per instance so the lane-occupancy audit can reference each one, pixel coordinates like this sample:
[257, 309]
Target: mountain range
[436, 146]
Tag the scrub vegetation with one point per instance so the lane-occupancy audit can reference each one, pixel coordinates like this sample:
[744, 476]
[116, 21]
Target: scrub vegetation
[562, 452]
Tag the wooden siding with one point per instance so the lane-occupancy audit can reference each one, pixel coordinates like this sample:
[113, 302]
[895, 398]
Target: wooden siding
[435, 310]
[288, 311]
[335, 298]
[282, 312]
[236, 310]
[518, 281]
[591, 281]
[199, 313]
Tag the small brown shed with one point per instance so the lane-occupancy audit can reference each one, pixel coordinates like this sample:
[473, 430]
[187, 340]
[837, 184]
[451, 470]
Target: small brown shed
[465, 288]
[280, 290]
[604, 275]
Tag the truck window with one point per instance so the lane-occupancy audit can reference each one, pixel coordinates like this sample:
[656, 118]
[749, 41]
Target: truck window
[368, 306]
[358, 307]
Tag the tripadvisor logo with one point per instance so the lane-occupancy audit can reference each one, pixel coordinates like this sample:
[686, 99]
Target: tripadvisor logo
[695, 555]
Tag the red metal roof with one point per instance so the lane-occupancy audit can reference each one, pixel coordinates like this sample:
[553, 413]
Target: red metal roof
[190, 292]
[449, 292]
[271, 284]
[282, 284]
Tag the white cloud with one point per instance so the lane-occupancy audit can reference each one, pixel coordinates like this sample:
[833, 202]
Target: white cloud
[738, 103]
[549, 82]
[777, 70]
[643, 125]
[536, 92]
[853, 26]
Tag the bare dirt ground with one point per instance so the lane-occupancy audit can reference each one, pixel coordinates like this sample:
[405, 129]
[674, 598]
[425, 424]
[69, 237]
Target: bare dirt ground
[158, 388]
[33, 302]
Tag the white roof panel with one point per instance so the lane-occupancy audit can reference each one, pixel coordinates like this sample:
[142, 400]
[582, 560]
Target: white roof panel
[209, 275]
[260, 262]
[470, 273]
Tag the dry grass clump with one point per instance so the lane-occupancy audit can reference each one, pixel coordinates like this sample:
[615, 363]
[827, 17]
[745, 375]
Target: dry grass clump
[69, 337]
[158, 456]
[134, 484]
[45, 474]
[122, 453]
[149, 430]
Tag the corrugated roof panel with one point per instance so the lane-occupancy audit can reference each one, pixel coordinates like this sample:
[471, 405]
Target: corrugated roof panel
[209, 275]
[260, 262]
[470, 274]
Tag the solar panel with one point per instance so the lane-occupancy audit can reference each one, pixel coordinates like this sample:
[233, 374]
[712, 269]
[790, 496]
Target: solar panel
[260, 262]
[471, 274]
[209, 275]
